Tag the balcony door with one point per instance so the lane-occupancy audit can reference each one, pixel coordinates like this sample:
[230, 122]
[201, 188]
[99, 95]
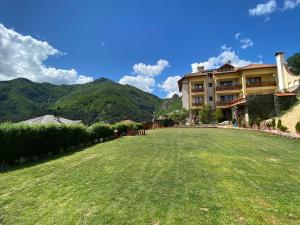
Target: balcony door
[226, 98]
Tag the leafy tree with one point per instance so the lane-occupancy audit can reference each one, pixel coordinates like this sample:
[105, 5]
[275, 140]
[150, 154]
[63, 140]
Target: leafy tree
[207, 115]
[219, 115]
[178, 116]
[294, 63]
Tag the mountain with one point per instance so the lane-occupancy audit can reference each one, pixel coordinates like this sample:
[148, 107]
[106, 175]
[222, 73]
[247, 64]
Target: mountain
[102, 100]
[169, 105]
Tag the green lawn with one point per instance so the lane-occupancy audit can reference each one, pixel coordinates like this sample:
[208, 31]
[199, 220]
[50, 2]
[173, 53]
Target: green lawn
[170, 176]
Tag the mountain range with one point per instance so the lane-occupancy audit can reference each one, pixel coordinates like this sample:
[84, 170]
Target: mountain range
[100, 100]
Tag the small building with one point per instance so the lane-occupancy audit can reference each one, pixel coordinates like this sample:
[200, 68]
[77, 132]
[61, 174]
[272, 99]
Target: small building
[228, 87]
[50, 119]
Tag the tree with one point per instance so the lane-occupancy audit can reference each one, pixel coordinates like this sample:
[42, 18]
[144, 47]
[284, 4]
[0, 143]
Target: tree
[294, 63]
[219, 115]
[207, 115]
[178, 116]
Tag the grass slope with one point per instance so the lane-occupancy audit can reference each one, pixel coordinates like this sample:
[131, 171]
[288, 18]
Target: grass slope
[170, 176]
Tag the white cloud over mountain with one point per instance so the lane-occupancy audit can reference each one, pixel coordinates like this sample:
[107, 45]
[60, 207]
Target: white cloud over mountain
[143, 76]
[23, 56]
[170, 86]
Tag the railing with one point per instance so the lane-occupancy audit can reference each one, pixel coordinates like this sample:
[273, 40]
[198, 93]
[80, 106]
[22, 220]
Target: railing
[197, 104]
[262, 84]
[225, 88]
[197, 90]
[230, 103]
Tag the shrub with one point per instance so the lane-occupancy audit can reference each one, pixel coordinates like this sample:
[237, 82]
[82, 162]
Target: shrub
[297, 127]
[251, 123]
[279, 124]
[269, 124]
[124, 126]
[207, 115]
[27, 141]
[258, 122]
[100, 130]
[219, 115]
[283, 128]
[273, 123]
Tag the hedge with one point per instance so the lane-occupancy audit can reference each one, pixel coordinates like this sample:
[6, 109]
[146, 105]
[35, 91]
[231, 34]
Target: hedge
[23, 141]
[26, 141]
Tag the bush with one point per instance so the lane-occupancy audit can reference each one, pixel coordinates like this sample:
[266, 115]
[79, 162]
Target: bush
[27, 141]
[279, 124]
[207, 115]
[124, 126]
[251, 123]
[219, 115]
[283, 128]
[297, 127]
[273, 123]
[269, 124]
[100, 130]
[258, 122]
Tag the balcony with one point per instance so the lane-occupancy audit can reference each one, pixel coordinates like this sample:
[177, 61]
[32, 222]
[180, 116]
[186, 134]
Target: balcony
[228, 88]
[197, 104]
[197, 90]
[236, 101]
[262, 84]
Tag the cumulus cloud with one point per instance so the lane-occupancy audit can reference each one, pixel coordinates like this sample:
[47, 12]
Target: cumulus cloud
[264, 9]
[221, 59]
[23, 56]
[170, 86]
[143, 76]
[290, 4]
[151, 70]
[244, 42]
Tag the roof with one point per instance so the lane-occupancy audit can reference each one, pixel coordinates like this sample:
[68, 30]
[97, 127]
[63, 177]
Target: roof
[257, 66]
[285, 94]
[50, 119]
[226, 65]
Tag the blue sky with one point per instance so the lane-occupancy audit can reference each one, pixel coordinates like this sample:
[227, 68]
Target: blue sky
[163, 39]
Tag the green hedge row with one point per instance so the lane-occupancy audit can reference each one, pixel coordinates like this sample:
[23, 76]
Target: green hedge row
[21, 141]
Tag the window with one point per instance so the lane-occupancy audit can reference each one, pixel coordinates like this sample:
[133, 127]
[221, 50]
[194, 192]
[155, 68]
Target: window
[226, 83]
[198, 86]
[226, 98]
[209, 84]
[210, 98]
[210, 76]
[253, 80]
[198, 100]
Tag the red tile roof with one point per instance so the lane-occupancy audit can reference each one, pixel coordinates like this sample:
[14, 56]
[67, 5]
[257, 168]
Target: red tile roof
[257, 66]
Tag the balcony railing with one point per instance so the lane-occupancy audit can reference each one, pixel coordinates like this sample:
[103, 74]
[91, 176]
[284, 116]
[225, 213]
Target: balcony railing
[230, 103]
[232, 87]
[197, 104]
[197, 90]
[262, 84]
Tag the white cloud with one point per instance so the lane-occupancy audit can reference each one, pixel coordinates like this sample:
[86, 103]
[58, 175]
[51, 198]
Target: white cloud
[246, 43]
[225, 47]
[237, 36]
[23, 56]
[151, 70]
[170, 86]
[141, 82]
[264, 9]
[290, 4]
[144, 75]
[221, 59]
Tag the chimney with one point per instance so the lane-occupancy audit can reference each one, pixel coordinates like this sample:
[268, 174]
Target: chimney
[280, 70]
[200, 68]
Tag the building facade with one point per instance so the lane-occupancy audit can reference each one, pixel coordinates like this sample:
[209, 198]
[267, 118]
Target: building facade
[228, 86]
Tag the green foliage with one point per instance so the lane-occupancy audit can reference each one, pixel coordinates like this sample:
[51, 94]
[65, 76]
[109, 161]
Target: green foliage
[219, 115]
[100, 130]
[261, 106]
[178, 116]
[258, 122]
[273, 123]
[26, 141]
[169, 105]
[124, 126]
[269, 124]
[101, 100]
[297, 127]
[283, 103]
[279, 124]
[207, 115]
[283, 128]
[251, 122]
[294, 63]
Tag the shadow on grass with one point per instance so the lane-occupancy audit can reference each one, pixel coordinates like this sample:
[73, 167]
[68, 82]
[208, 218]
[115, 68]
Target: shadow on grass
[44, 159]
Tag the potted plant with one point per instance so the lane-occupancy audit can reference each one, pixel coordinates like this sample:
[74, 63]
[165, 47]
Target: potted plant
[297, 127]
[273, 123]
[279, 124]
[283, 128]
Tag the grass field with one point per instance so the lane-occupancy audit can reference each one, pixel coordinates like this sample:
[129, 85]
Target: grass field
[170, 176]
